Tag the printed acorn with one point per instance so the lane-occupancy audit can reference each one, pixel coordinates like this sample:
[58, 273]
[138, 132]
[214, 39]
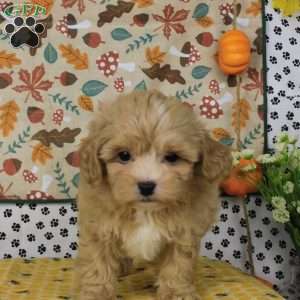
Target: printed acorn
[205, 39]
[62, 26]
[5, 80]
[93, 39]
[140, 20]
[66, 78]
[11, 166]
[188, 55]
[73, 159]
[35, 115]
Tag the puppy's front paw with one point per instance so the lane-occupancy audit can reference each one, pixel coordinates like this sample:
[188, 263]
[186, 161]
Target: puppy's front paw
[177, 296]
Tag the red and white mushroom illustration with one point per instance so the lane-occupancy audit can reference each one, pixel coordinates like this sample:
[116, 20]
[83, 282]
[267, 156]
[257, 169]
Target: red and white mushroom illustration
[68, 26]
[211, 108]
[188, 55]
[109, 62]
[30, 175]
[227, 12]
[41, 194]
[120, 84]
[214, 87]
[59, 116]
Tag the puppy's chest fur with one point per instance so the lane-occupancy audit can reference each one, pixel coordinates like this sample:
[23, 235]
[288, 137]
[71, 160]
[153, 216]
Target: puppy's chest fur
[144, 240]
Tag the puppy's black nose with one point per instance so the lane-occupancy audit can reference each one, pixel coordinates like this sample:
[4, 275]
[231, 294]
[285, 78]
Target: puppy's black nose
[146, 187]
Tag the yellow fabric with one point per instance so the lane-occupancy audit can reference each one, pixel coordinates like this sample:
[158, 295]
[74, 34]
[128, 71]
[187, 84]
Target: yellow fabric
[52, 279]
[288, 7]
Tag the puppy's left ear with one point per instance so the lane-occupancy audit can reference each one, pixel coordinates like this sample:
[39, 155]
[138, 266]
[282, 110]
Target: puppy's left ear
[216, 159]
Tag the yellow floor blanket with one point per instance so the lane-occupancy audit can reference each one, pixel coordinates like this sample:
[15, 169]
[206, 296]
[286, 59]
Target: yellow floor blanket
[52, 279]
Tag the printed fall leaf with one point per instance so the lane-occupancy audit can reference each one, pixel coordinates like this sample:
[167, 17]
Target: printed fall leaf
[240, 114]
[33, 83]
[74, 57]
[41, 154]
[8, 60]
[143, 3]
[8, 117]
[205, 21]
[257, 81]
[171, 20]
[71, 3]
[254, 9]
[86, 103]
[154, 55]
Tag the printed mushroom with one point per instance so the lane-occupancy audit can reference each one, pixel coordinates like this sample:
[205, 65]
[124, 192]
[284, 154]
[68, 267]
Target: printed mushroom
[62, 26]
[30, 175]
[58, 116]
[212, 108]
[214, 87]
[42, 194]
[120, 84]
[109, 62]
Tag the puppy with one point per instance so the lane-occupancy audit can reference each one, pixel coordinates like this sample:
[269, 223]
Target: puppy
[148, 191]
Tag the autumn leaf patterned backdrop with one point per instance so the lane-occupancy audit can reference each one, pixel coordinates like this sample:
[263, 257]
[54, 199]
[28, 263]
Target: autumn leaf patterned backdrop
[94, 50]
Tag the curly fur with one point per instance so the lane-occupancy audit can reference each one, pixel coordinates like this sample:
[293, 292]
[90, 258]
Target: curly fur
[116, 225]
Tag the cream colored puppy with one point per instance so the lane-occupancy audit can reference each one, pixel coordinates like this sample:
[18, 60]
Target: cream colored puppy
[148, 191]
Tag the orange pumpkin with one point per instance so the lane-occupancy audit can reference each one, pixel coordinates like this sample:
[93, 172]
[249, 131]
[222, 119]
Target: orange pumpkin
[234, 52]
[240, 182]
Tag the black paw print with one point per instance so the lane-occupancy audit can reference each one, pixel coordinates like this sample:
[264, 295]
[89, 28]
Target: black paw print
[296, 104]
[291, 84]
[225, 204]
[64, 232]
[15, 243]
[268, 244]
[236, 254]
[252, 214]
[258, 233]
[274, 115]
[32, 206]
[285, 22]
[231, 231]
[74, 207]
[22, 253]
[270, 89]
[219, 254]
[296, 62]
[7, 213]
[274, 231]
[282, 244]
[277, 30]
[16, 227]
[225, 243]
[45, 211]
[273, 60]
[297, 29]
[275, 100]
[260, 256]
[62, 211]
[2, 235]
[278, 259]
[25, 218]
[296, 125]
[266, 221]
[269, 128]
[269, 206]
[258, 201]
[215, 229]
[48, 235]
[279, 275]
[286, 55]
[243, 239]
[236, 209]
[57, 248]
[243, 222]
[208, 245]
[67, 255]
[73, 246]
[40, 225]
[281, 93]
[269, 17]
[293, 41]
[277, 77]
[286, 70]
[41, 249]
[7, 256]
[54, 223]
[73, 221]
[223, 218]
[266, 269]
[290, 115]
[31, 238]
[24, 32]
[278, 46]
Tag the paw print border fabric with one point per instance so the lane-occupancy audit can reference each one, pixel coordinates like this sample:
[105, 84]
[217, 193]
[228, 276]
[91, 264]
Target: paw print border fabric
[91, 51]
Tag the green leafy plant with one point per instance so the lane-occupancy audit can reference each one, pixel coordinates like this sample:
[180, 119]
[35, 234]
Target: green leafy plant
[281, 184]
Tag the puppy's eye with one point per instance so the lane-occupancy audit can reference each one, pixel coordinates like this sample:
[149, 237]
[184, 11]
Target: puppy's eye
[172, 158]
[124, 156]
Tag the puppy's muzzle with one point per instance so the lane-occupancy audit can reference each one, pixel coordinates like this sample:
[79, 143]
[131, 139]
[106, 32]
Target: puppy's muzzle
[146, 188]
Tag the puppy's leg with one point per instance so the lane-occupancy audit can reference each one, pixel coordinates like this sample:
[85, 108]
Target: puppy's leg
[176, 278]
[98, 266]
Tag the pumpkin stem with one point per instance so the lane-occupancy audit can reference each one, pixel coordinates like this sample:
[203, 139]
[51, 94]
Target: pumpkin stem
[234, 14]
